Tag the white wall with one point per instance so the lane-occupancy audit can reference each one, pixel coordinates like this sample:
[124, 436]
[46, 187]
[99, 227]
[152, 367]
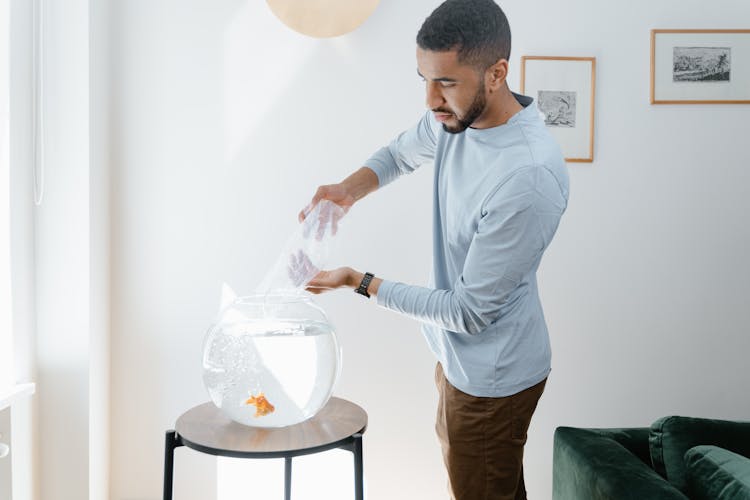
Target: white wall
[224, 122]
[6, 339]
[71, 249]
[62, 286]
[645, 286]
[22, 247]
[99, 246]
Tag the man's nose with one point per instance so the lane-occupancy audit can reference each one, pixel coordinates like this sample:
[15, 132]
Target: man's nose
[434, 97]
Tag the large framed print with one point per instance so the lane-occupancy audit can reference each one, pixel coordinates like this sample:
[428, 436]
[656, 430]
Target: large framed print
[564, 90]
[700, 66]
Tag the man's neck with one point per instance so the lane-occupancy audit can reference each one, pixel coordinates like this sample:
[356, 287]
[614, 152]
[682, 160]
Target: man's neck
[499, 110]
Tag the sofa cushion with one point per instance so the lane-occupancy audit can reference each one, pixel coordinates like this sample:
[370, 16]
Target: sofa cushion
[671, 437]
[714, 473]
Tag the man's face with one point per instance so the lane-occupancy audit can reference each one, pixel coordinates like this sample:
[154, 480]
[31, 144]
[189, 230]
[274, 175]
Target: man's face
[455, 92]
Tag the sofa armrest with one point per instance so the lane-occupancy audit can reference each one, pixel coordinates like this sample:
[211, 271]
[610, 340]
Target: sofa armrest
[592, 464]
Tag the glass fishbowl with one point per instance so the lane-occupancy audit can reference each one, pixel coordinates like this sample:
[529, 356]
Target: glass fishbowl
[271, 360]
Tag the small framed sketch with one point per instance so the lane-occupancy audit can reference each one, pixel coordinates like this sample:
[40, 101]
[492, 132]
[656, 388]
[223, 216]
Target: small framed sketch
[700, 66]
[564, 89]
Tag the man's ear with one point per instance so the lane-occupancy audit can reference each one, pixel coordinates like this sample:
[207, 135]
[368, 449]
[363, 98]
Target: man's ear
[496, 75]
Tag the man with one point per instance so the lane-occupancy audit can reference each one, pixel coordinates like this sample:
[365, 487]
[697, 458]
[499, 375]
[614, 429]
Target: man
[500, 188]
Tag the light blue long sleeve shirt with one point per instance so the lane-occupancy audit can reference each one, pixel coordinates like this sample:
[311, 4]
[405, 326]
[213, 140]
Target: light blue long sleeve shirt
[499, 194]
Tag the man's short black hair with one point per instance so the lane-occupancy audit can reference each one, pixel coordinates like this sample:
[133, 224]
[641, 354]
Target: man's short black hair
[478, 29]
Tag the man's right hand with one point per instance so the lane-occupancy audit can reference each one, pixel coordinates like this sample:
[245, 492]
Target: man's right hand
[346, 193]
[337, 193]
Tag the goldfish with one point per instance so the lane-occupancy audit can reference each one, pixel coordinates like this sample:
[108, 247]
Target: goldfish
[262, 406]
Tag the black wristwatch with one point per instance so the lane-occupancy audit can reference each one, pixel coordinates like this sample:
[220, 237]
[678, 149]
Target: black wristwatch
[362, 288]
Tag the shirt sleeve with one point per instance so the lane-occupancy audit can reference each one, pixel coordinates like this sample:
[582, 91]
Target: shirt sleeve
[407, 152]
[517, 223]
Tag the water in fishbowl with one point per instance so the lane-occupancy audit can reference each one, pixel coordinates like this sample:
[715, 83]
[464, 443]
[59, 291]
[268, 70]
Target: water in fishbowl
[270, 373]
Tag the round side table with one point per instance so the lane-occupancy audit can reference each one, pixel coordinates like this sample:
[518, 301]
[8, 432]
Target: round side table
[339, 424]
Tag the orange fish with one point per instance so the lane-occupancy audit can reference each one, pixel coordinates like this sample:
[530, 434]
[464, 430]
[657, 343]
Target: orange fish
[262, 406]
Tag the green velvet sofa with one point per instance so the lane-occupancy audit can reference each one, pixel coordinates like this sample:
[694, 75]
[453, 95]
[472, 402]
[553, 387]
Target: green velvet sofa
[676, 458]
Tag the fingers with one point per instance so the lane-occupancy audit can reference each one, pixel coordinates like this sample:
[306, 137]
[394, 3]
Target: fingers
[322, 220]
[322, 282]
[300, 268]
[319, 280]
[317, 290]
[306, 211]
[322, 193]
[328, 280]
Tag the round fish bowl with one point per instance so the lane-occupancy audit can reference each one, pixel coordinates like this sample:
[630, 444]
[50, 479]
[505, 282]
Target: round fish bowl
[271, 360]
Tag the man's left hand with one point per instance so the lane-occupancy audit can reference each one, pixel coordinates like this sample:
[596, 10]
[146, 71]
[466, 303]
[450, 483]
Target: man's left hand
[331, 280]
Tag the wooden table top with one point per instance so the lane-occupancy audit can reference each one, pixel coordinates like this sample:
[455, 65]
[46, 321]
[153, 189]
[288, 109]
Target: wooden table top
[205, 428]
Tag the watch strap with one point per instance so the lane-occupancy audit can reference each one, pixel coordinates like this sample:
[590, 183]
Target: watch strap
[362, 288]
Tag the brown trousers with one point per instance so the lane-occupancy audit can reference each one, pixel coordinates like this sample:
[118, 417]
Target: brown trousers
[482, 440]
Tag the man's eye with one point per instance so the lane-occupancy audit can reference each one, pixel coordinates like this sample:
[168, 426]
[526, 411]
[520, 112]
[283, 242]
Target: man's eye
[447, 84]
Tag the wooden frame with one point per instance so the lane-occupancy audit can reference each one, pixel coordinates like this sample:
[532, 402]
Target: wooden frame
[711, 87]
[565, 76]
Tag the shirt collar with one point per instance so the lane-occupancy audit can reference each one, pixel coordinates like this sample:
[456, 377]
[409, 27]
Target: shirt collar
[529, 112]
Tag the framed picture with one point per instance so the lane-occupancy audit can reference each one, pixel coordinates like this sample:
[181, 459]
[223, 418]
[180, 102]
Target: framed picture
[700, 66]
[564, 89]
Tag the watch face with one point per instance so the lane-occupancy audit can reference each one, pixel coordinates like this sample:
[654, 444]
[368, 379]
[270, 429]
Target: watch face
[362, 288]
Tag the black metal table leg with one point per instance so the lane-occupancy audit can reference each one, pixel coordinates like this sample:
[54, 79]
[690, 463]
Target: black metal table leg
[287, 478]
[170, 443]
[359, 489]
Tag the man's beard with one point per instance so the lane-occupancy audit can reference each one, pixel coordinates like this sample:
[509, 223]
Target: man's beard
[475, 111]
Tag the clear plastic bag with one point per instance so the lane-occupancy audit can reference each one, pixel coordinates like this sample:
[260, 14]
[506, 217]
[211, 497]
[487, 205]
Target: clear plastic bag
[306, 252]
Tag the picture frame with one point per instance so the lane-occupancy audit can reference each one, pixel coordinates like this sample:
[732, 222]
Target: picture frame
[564, 89]
[700, 66]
